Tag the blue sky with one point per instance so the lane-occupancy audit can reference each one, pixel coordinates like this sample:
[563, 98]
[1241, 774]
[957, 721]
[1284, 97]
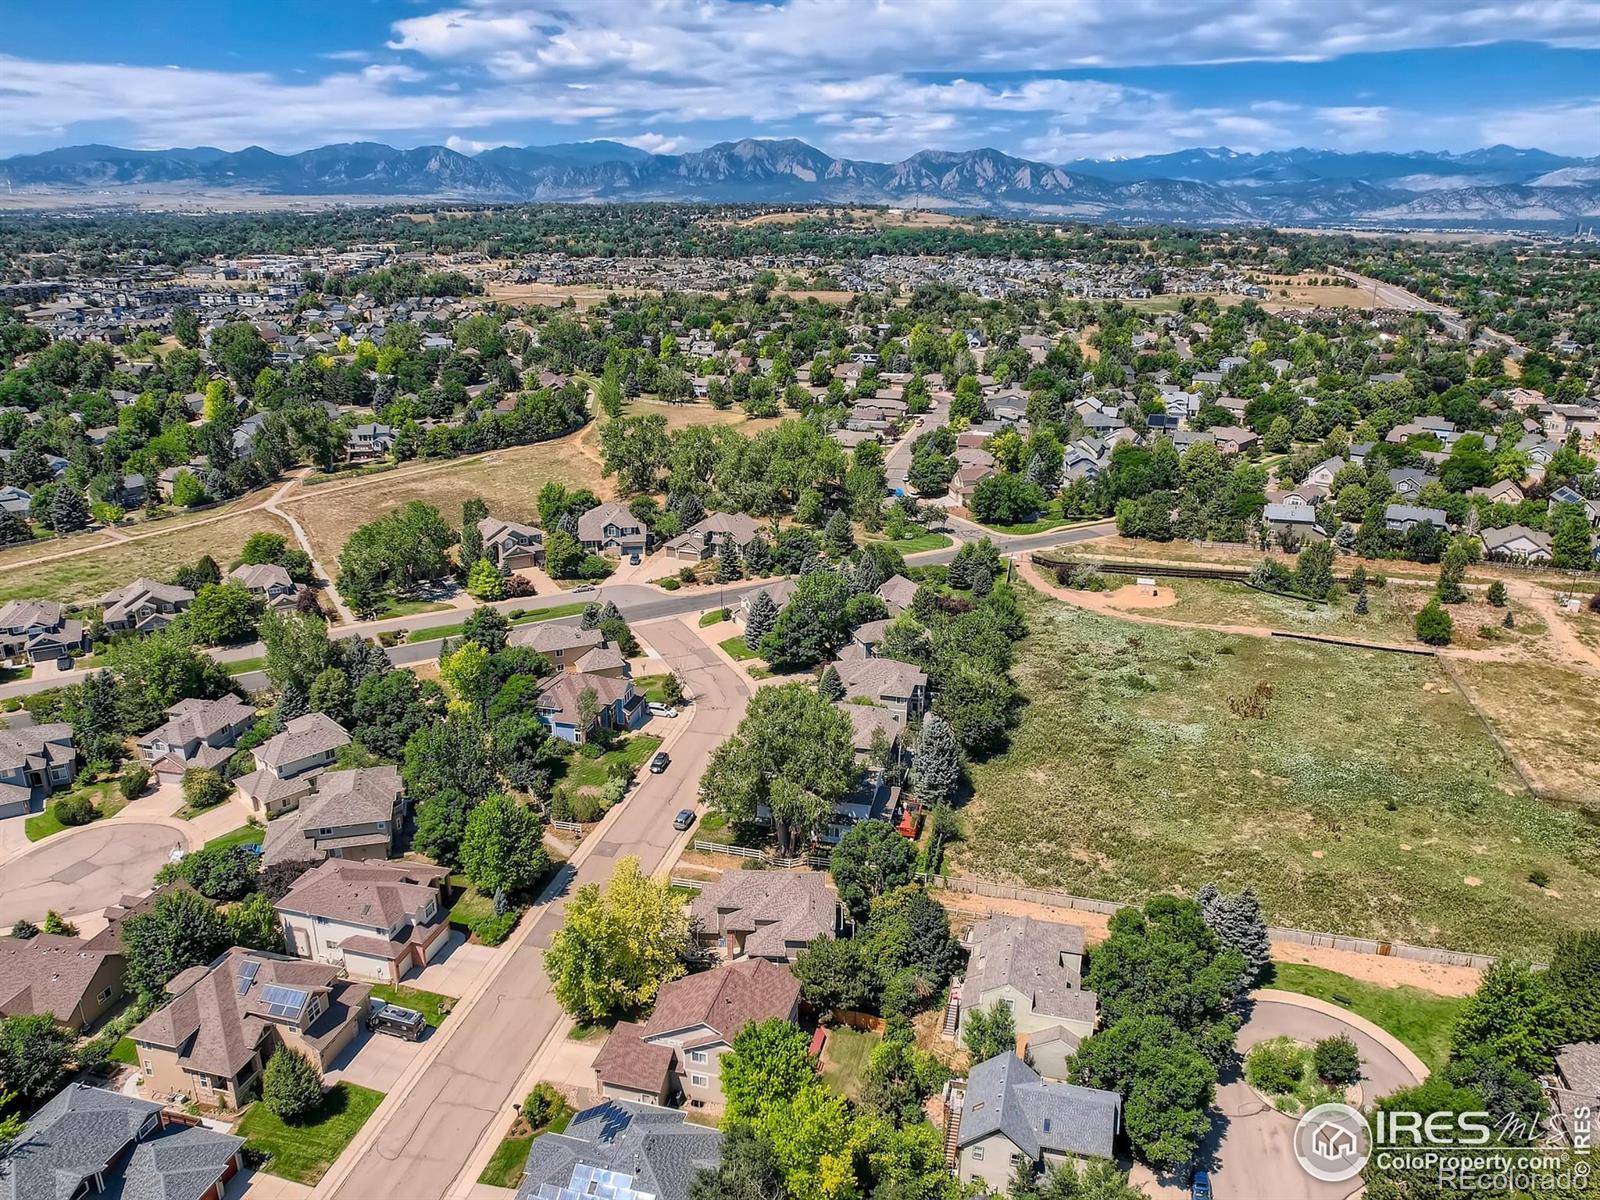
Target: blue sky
[1046, 79]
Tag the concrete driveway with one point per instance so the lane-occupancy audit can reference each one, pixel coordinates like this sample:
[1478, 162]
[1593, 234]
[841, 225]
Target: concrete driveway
[376, 1060]
[455, 968]
[84, 870]
[1250, 1153]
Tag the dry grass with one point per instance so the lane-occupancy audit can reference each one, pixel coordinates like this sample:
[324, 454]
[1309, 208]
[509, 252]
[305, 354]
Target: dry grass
[107, 564]
[553, 295]
[1363, 802]
[1546, 715]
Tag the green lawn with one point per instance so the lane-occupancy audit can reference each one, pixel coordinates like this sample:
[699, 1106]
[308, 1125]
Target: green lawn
[471, 908]
[1365, 798]
[430, 1004]
[304, 1152]
[505, 1168]
[244, 666]
[105, 796]
[125, 1052]
[589, 773]
[652, 688]
[919, 544]
[440, 632]
[409, 608]
[715, 617]
[1049, 518]
[735, 649]
[245, 835]
[844, 1059]
[1422, 1020]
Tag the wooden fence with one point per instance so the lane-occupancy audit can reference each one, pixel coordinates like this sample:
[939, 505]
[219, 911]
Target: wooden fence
[819, 861]
[1302, 937]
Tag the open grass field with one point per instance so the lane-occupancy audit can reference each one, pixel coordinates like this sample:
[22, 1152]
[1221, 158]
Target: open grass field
[160, 548]
[1420, 1019]
[1546, 715]
[303, 1152]
[1366, 799]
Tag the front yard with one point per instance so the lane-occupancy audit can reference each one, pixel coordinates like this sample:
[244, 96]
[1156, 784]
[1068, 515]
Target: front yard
[105, 797]
[1356, 790]
[431, 1005]
[303, 1152]
[630, 754]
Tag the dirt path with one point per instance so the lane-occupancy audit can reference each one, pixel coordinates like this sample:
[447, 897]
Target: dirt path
[346, 617]
[1369, 968]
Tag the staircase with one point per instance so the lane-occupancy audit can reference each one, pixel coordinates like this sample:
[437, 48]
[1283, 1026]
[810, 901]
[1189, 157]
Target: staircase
[954, 1102]
[952, 1010]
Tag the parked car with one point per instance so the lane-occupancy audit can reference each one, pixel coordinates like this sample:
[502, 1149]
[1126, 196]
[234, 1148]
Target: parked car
[663, 710]
[633, 559]
[1200, 1188]
[583, 587]
[659, 762]
[395, 1021]
[683, 820]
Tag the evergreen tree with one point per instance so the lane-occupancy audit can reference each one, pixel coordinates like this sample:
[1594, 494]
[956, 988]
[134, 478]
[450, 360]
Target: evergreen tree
[758, 557]
[1361, 603]
[763, 616]
[69, 511]
[837, 535]
[829, 684]
[1239, 922]
[728, 566]
[473, 510]
[1452, 576]
[938, 764]
[291, 1086]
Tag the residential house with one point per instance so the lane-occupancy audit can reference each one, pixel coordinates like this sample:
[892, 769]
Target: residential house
[877, 734]
[509, 545]
[268, 582]
[605, 660]
[15, 501]
[1325, 472]
[1504, 492]
[1292, 520]
[1567, 494]
[771, 915]
[561, 701]
[143, 606]
[1035, 969]
[1085, 458]
[1436, 427]
[39, 631]
[886, 681]
[562, 644]
[676, 1055]
[1516, 543]
[211, 1041]
[622, 1151]
[369, 442]
[196, 733]
[1539, 450]
[1234, 439]
[285, 763]
[1574, 1091]
[897, 592]
[88, 1141]
[1408, 481]
[74, 980]
[864, 639]
[373, 920]
[35, 760]
[352, 815]
[1011, 1116]
[705, 537]
[131, 491]
[1401, 517]
[612, 529]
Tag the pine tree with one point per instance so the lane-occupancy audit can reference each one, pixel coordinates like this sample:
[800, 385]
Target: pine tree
[292, 703]
[838, 536]
[728, 566]
[1238, 922]
[938, 763]
[69, 511]
[829, 684]
[763, 616]
[291, 1086]
[758, 557]
[1361, 603]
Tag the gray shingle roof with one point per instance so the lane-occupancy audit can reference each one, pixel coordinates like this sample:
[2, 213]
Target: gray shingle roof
[657, 1147]
[76, 1133]
[1041, 959]
[314, 733]
[178, 1164]
[1005, 1095]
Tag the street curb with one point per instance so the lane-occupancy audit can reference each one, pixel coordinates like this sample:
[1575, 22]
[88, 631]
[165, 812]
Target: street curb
[1408, 1057]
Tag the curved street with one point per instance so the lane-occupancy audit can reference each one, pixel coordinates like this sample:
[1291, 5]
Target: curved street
[83, 870]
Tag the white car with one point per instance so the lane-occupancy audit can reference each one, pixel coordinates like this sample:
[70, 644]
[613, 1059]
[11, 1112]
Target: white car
[663, 710]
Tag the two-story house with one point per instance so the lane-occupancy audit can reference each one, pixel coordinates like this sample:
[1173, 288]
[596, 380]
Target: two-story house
[1401, 517]
[628, 1151]
[35, 760]
[562, 644]
[269, 583]
[351, 815]
[285, 762]
[38, 631]
[614, 703]
[705, 537]
[76, 980]
[677, 1054]
[897, 592]
[766, 914]
[509, 545]
[210, 1042]
[1011, 1117]
[1035, 969]
[612, 529]
[886, 681]
[373, 920]
[196, 733]
[369, 442]
[143, 606]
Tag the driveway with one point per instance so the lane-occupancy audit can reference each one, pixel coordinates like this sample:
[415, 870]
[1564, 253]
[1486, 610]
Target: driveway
[455, 968]
[376, 1060]
[84, 870]
[1250, 1152]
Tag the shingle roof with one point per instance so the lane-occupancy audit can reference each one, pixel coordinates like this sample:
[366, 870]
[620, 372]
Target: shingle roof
[774, 908]
[363, 796]
[878, 677]
[48, 973]
[179, 1164]
[75, 1134]
[193, 719]
[1041, 959]
[626, 1060]
[726, 999]
[375, 894]
[547, 637]
[314, 733]
[657, 1147]
[1005, 1095]
[37, 746]
[867, 719]
[261, 576]
[31, 614]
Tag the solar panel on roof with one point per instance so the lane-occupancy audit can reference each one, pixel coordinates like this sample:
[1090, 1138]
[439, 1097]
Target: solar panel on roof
[284, 1001]
[247, 975]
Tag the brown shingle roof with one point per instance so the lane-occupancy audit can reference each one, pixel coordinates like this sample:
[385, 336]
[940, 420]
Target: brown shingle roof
[48, 973]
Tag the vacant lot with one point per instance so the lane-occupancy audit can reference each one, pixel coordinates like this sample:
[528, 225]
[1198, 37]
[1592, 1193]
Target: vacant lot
[1356, 790]
[157, 550]
[1546, 715]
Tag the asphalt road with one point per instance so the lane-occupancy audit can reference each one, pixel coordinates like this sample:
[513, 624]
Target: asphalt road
[82, 870]
[425, 1141]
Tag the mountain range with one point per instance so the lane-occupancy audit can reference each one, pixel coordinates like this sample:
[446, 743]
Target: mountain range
[1496, 187]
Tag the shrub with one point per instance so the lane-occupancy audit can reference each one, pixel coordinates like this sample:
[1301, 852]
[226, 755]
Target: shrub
[292, 1085]
[203, 788]
[1497, 594]
[135, 778]
[669, 585]
[543, 1105]
[1433, 625]
[1539, 878]
[1337, 1061]
[24, 929]
[55, 923]
[74, 810]
[491, 931]
[1275, 1067]
[685, 574]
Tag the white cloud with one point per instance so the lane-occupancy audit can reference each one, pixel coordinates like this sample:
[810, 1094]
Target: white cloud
[463, 145]
[654, 143]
